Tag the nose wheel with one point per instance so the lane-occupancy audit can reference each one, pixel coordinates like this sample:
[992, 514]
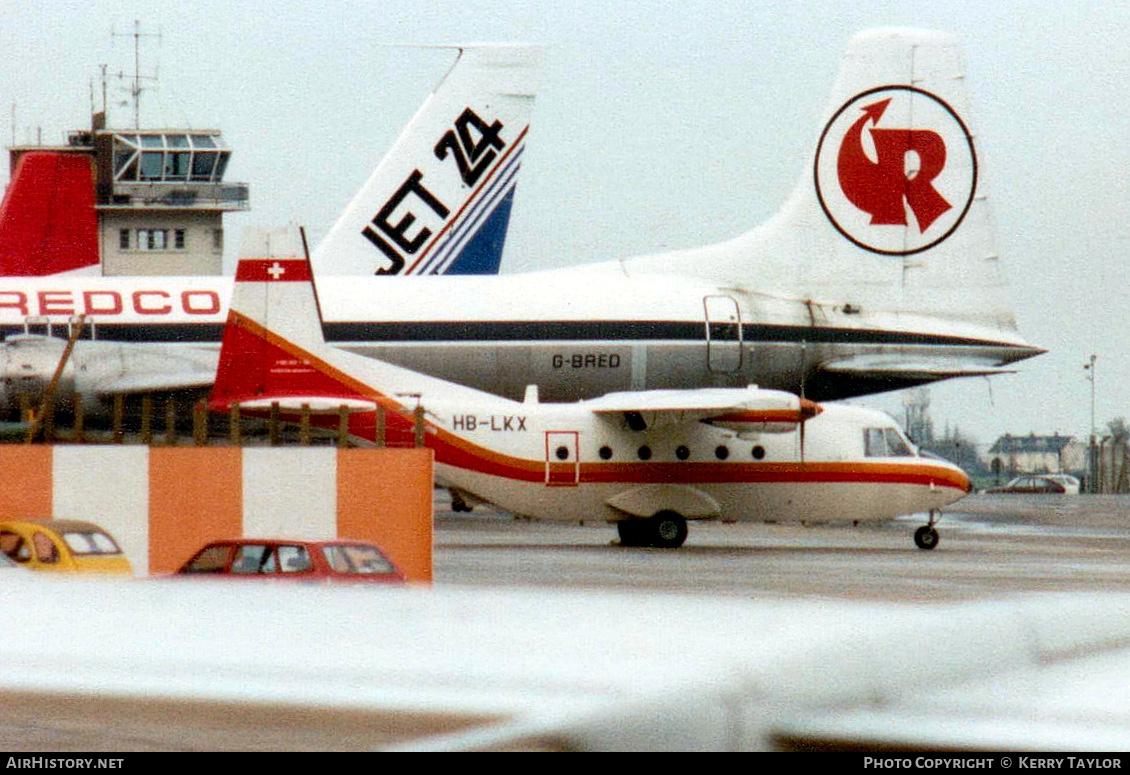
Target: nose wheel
[926, 537]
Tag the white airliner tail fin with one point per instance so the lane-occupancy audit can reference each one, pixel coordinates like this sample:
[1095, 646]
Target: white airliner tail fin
[891, 214]
[439, 202]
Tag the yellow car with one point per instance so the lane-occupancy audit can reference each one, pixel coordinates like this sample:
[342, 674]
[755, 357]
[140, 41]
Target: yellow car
[62, 546]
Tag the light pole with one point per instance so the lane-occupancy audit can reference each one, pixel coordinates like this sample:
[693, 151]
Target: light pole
[1092, 475]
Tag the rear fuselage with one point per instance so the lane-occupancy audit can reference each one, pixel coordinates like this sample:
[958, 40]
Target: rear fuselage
[575, 334]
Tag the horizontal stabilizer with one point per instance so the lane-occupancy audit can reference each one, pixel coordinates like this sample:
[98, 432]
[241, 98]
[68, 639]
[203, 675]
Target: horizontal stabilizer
[153, 382]
[314, 404]
[916, 369]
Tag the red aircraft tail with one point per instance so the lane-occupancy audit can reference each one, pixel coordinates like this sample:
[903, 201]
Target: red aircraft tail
[48, 224]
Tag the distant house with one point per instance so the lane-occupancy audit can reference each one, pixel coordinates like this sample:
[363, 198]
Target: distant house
[1034, 454]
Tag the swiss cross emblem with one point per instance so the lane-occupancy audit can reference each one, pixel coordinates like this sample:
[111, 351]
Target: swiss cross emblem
[896, 170]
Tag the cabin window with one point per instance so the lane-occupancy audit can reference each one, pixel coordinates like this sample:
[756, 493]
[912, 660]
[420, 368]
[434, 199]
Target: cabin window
[644, 452]
[682, 452]
[721, 452]
[605, 453]
[758, 452]
[562, 453]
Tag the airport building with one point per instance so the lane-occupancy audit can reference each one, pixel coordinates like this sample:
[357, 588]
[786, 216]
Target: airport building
[1034, 454]
[119, 202]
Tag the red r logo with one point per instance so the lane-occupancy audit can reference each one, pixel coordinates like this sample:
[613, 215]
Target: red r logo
[881, 187]
[871, 178]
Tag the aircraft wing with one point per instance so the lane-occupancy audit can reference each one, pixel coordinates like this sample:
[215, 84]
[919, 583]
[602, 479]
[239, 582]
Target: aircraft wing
[768, 410]
[1068, 702]
[1038, 673]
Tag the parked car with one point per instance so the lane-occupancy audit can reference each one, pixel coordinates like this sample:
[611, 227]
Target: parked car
[62, 546]
[1060, 484]
[340, 561]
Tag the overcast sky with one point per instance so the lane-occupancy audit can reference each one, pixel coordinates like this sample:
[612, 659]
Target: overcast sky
[657, 125]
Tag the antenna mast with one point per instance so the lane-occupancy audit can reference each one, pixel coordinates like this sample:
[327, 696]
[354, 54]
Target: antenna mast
[136, 89]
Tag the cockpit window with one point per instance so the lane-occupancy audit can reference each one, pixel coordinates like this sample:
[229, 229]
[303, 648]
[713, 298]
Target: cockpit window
[885, 442]
[874, 443]
[896, 444]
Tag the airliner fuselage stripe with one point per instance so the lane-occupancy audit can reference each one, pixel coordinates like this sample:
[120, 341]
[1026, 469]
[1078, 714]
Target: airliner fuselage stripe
[408, 332]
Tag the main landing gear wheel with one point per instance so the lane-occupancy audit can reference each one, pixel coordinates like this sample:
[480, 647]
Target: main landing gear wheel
[668, 530]
[926, 537]
[633, 532]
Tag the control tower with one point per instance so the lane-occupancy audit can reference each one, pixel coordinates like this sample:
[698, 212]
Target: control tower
[120, 202]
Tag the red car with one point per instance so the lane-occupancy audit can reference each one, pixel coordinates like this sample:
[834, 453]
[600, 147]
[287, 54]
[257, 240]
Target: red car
[333, 562]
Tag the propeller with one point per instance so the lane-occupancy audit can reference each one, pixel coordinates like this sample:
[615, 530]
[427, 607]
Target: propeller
[806, 410]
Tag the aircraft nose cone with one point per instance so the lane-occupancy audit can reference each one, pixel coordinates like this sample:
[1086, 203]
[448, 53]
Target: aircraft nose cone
[967, 485]
[958, 479]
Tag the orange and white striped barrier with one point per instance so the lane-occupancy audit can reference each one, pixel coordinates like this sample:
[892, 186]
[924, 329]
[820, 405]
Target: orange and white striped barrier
[163, 503]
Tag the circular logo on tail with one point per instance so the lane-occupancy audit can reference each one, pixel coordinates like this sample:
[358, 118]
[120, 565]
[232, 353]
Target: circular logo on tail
[896, 170]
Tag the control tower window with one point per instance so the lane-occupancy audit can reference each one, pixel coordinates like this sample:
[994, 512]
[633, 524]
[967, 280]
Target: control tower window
[171, 157]
[202, 166]
[125, 157]
[152, 165]
[176, 166]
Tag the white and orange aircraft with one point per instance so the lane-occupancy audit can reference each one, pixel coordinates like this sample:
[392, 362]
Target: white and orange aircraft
[647, 461]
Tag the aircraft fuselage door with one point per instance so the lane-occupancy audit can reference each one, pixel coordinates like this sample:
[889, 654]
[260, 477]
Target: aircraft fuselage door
[562, 459]
[723, 334]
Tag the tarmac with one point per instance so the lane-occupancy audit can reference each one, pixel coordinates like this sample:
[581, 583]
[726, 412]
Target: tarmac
[991, 545]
